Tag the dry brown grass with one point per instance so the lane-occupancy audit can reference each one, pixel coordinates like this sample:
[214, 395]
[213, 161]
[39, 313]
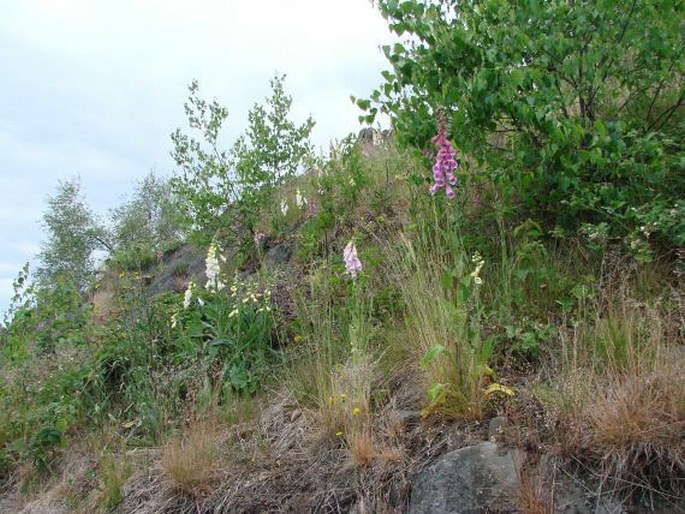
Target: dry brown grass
[637, 421]
[361, 444]
[348, 395]
[621, 398]
[532, 495]
[190, 461]
[345, 413]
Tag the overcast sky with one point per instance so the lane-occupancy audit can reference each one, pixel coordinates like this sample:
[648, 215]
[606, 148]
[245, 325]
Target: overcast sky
[94, 88]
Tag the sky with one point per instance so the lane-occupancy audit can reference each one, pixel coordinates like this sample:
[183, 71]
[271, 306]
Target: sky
[93, 88]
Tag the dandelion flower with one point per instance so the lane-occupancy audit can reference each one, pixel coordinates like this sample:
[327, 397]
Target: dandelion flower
[355, 411]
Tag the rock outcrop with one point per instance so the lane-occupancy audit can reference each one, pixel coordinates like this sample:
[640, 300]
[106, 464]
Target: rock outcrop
[471, 480]
[370, 140]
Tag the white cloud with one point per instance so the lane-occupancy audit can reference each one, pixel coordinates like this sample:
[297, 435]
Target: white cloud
[6, 292]
[10, 268]
[29, 248]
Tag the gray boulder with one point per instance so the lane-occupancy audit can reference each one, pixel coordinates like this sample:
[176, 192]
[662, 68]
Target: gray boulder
[371, 140]
[470, 480]
[177, 268]
[497, 425]
[277, 256]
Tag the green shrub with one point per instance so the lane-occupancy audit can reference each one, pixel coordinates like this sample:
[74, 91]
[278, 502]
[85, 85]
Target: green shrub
[180, 269]
[573, 109]
[313, 237]
[223, 190]
[232, 329]
[136, 258]
[73, 235]
[42, 447]
[148, 220]
[43, 318]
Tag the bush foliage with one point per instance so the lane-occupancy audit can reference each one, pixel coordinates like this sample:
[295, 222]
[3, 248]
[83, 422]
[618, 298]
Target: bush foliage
[222, 189]
[574, 109]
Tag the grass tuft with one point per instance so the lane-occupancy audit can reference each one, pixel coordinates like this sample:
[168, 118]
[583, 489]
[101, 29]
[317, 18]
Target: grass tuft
[431, 320]
[190, 461]
[622, 400]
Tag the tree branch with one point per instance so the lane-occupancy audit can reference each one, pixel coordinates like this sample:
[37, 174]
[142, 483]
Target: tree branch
[666, 115]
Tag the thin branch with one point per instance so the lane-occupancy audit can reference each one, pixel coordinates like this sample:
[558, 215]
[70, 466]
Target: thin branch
[627, 100]
[666, 115]
[559, 62]
[603, 62]
[104, 243]
[660, 86]
[561, 95]
[625, 25]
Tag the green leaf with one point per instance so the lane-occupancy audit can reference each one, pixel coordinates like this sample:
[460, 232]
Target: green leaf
[498, 389]
[464, 290]
[363, 104]
[435, 391]
[432, 354]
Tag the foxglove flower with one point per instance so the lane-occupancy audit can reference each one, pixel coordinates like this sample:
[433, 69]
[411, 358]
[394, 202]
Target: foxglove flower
[299, 199]
[258, 236]
[213, 268]
[445, 162]
[479, 262]
[312, 208]
[188, 295]
[352, 263]
[284, 207]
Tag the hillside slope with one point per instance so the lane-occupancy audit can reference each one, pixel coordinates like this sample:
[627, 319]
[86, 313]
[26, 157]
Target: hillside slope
[370, 332]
